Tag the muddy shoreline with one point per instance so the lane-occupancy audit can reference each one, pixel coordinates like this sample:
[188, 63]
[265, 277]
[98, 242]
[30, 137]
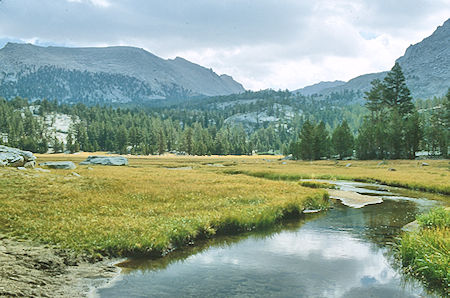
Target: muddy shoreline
[29, 269]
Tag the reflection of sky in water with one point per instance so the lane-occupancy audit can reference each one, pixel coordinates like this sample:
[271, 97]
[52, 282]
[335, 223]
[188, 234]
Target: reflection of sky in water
[331, 256]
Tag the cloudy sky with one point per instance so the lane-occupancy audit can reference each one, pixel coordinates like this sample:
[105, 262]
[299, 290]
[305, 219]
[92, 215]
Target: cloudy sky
[275, 44]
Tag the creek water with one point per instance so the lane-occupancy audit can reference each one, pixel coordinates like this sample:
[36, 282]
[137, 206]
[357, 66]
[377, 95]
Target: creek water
[343, 252]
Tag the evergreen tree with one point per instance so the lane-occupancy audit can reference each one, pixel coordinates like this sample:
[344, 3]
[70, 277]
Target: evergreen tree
[306, 142]
[321, 142]
[342, 140]
[122, 140]
[365, 143]
[413, 135]
[374, 99]
[396, 94]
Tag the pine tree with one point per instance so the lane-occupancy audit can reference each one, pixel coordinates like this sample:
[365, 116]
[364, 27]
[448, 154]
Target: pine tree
[374, 99]
[396, 94]
[321, 143]
[413, 135]
[342, 140]
[306, 141]
[122, 139]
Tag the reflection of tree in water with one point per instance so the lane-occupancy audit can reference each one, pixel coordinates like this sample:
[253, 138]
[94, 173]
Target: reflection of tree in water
[384, 221]
[220, 241]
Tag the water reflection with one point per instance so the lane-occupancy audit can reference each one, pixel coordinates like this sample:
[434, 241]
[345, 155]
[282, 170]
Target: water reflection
[341, 253]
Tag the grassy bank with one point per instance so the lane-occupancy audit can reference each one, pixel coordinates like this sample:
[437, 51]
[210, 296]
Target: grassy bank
[150, 207]
[162, 202]
[409, 174]
[426, 253]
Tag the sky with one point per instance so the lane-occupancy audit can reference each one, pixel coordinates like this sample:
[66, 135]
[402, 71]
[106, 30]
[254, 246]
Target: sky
[278, 44]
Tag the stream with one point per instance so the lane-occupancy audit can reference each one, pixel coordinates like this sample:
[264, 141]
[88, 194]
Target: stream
[342, 252]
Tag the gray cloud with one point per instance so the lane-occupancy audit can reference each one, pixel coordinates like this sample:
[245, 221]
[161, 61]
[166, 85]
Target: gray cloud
[247, 37]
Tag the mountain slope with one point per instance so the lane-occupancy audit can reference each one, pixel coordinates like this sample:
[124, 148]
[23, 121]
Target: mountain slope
[111, 74]
[426, 66]
[318, 88]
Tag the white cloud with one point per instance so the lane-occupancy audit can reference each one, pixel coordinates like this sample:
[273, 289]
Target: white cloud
[262, 44]
[99, 3]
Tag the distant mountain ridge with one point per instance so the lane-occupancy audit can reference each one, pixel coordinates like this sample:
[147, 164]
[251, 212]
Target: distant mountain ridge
[426, 66]
[108, 75]
[317, 88]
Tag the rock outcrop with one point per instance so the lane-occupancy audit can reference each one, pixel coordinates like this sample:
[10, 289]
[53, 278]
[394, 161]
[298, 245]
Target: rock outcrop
[105, 160]
[14, 157]
[426, 66]
[62, 165]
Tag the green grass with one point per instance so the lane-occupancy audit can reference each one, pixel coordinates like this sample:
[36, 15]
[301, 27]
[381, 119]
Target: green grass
[436, 218]
[426, 253]
[317, 184]
[412, 185]
[144, 209]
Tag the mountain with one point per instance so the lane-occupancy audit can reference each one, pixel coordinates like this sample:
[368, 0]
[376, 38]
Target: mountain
[426, 66]
[104, 75]
[317, 88]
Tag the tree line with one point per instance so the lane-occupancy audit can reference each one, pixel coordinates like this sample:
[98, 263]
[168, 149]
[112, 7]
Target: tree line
[392, 128]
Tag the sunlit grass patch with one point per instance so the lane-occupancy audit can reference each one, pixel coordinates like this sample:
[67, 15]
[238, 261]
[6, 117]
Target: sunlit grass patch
[147, 209]
[426, 253]
[408, 174]
[317, 184]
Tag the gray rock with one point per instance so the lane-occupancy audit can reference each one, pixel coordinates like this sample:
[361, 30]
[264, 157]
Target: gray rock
[42, 170]
[348, 165]
[30, 164]
[76, 174]
[14, 157]
[411, 227]
[21, 168]
[289, 157]
[424, 164]
[105, 160]
[65, 165]
[392, 169]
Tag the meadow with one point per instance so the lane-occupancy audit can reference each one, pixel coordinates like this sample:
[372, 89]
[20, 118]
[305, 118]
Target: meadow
[148, 208]
[160, 203]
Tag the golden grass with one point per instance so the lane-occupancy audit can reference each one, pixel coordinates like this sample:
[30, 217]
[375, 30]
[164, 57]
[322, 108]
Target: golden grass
[408, 173]
[157, 203]
[144, 208]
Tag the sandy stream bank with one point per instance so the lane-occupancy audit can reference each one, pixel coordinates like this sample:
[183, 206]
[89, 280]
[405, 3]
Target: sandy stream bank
[33, 270]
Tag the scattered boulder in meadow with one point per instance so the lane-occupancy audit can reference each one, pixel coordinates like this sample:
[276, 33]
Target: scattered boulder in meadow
[348, 165]
[14, 157]
[288, 157]
[21, 168]
[76, 174]
[392, 169]
[424, 164]
[42, 170]
[62, 165]
[30, 164]
[105, 160]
